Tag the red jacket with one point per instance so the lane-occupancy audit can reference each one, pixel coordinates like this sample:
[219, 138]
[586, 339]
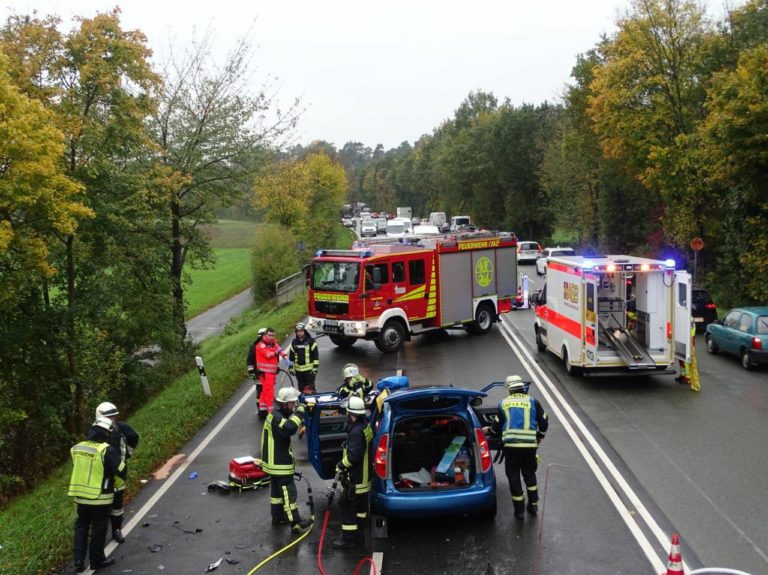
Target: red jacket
[267, 357]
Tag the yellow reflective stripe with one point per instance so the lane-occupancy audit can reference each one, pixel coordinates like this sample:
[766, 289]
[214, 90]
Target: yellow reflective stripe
[534, 488]
[275, 500]
[296, 419]
[518, 498]
[349, 527]
[287, 504]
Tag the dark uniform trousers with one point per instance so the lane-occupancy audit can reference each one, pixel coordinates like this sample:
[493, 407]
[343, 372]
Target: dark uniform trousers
[283, 498]
[96, 519]
[305, 381]
[354, 513]
[521, 460]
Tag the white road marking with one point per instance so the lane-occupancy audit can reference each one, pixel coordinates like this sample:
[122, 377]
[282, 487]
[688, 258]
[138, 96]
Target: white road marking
[378, 559]
[550, 392]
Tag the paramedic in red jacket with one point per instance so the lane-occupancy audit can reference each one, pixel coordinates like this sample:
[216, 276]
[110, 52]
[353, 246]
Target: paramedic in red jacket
[268, 355]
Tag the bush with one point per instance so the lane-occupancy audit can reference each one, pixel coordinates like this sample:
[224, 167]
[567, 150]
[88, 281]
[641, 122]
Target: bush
[274, 257]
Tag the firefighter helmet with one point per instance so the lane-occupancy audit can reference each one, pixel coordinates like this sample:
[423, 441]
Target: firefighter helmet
[103, 422]
[356, 405]
[107, 409]
[262, 331]
[350, 370]
[514, 383]
[299, 326]
[287, 395]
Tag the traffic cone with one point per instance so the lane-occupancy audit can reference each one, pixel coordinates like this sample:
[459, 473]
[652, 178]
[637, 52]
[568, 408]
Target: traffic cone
[675, 565]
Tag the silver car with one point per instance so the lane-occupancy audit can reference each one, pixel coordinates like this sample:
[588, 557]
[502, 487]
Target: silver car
[541, 263]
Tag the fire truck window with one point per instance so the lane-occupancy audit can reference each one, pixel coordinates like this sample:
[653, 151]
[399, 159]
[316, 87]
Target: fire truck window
[398, 272]
[416, 271]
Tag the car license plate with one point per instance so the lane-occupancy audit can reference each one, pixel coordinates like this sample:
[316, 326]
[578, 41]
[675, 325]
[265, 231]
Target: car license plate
[698, 320]
[331, 326]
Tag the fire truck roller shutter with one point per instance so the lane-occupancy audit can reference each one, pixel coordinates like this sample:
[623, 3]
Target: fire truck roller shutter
[455, 298]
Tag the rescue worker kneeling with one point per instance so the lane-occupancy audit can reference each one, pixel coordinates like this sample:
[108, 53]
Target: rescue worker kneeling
[277, 458]
[522, 423]
[355, 476]
[354, 382]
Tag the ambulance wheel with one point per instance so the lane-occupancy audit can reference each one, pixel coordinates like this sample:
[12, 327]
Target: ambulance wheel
[540, 344]
[483, 320]
[570, 369]
[342, 340]
[391, 337]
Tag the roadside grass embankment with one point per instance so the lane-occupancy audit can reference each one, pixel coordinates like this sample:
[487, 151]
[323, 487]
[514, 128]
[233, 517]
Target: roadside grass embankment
[36, 530]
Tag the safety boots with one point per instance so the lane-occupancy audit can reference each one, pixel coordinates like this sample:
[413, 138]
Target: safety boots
[117, 536]
[533, 507]
[301, 526]
[519, 509]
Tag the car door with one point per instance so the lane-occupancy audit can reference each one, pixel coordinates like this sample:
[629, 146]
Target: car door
[326, 430]
[727, 340]
[745, 332]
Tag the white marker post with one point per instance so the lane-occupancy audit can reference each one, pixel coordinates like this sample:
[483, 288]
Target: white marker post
[203, 377]
[525, 293]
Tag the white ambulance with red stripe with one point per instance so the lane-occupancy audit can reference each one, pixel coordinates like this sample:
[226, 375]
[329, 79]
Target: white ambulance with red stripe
[609, 314]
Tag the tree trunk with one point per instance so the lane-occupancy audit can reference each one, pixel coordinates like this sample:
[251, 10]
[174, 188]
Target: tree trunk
[177, 266]
[76, 419]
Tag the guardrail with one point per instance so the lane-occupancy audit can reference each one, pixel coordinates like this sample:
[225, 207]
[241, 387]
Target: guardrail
[291, 287]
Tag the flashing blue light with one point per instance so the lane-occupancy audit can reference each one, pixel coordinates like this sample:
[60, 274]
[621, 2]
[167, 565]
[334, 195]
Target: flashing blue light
[366, 254]
[588, 265]
[318, 253]
[669, 263]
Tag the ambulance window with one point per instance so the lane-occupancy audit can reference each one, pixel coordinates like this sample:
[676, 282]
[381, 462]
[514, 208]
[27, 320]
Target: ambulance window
[398, 272]
[591, 296]
[416, 271]
[682, 295]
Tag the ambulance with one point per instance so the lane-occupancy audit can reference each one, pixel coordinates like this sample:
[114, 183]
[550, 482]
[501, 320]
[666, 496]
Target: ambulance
[614, 314]
[388, 290]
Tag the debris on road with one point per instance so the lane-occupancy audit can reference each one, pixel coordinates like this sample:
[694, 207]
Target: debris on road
[215, 565]
[193, 475]
[156, 548]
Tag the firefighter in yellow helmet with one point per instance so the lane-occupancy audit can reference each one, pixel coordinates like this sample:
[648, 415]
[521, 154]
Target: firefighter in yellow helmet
[354, 383]
[96, 464]
[355, 471]
[278, 462]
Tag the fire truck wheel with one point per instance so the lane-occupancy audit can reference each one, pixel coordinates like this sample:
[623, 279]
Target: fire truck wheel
[343, 340]
[540, 344]
[483, 320]
[391, 336]
[572, 370]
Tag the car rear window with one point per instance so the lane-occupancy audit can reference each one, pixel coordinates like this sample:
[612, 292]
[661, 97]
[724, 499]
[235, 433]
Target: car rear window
[762, 324]
[431, 402]
[701, 297]
[529, 246]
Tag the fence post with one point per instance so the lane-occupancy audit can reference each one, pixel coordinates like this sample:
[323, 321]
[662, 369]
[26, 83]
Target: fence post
[203, 376]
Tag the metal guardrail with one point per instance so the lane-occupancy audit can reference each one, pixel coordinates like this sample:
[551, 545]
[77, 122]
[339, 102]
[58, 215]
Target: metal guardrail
[291, 287]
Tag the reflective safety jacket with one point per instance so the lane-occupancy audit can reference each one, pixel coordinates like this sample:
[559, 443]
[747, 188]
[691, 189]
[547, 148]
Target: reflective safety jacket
[303, 354]
[522, 421]
[276, 453]
[267, 357]
[96, 463]
[358, 385]
[355, 456]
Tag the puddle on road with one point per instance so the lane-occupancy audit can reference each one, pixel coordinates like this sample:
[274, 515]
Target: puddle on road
[168, 466]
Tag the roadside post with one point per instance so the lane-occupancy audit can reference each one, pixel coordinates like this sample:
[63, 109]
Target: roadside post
[203, 376]
[696, 244]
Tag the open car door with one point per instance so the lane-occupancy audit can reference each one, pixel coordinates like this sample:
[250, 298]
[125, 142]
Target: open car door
[326, 424]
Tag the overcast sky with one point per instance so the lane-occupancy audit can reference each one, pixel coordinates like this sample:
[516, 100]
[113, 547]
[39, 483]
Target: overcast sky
[380, 72]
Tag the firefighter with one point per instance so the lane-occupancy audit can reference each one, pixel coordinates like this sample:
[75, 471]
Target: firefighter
[355, 476]
[354, 383]
[522, 423]
[251, 360]
[268, 354]
[689, 370]
[96, 464]
[303, 355]
[277, 458]
[123, 437]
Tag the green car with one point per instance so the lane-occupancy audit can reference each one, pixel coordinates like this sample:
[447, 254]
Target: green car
[743, 333]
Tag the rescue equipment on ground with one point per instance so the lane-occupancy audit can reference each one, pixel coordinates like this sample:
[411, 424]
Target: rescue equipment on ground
[246, 473]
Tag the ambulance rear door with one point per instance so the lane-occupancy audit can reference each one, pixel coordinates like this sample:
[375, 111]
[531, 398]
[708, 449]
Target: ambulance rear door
[591, 324]
[681, 315]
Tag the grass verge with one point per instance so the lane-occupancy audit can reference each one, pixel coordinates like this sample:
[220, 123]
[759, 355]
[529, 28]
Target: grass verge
[230, 276]
[36, 530]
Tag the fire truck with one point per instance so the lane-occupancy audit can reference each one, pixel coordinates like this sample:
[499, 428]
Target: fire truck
[614, 314]
[386, 291]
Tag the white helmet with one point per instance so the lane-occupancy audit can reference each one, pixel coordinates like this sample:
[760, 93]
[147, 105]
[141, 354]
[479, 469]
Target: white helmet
[350, 370]
[299, 326]
[262, 331]
[356, 405]
[514, 383]
[103, 422]
[106, 409]
[287, 395]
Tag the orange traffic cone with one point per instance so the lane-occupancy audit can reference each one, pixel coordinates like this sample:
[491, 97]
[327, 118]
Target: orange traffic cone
[675, 565]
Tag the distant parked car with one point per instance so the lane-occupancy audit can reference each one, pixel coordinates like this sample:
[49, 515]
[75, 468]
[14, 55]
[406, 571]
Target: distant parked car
[381, 225]
[743, 333]
[703, 310]
[528, 252]
[347, 222]
[541, 263]
[369, 229]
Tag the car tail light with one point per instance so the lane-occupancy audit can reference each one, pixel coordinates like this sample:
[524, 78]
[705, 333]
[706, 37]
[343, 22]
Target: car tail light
[757, 343]
[485, 452]
[710, 306]
[380, 459]
[669, 330]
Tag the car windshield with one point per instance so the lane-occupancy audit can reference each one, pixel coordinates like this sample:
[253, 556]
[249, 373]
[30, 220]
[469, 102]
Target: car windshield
[335, 276]
[395, 228]
[562, 253]
[701, 297]
[762, 324]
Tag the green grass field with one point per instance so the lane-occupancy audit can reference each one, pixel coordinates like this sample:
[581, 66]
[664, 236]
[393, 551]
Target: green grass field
[229, 276]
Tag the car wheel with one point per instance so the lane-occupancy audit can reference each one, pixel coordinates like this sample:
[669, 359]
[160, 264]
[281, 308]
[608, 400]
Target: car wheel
[711, 345]
[483, 320]
[570, 369]
[342, 340]
[391, 337]
[539, 343]
[746, 361]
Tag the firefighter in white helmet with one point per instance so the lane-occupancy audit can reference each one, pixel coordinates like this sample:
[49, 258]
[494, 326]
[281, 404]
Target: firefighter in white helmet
[123, 437]
[354, 382]
[281, 424]
[355, 471]
[522, 423]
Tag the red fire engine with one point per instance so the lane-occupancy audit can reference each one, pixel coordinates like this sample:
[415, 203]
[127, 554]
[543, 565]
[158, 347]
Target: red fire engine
[387, 292]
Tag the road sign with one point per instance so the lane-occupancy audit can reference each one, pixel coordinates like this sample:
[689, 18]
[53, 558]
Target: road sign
[696, 244]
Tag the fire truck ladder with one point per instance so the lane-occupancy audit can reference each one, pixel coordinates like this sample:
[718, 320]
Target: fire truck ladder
[630, 351]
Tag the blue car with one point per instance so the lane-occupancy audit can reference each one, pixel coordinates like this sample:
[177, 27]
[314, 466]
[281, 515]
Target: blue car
[429, 455]
[743, 333]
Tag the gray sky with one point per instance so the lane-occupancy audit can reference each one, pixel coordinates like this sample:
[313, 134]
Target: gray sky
[379, 72]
